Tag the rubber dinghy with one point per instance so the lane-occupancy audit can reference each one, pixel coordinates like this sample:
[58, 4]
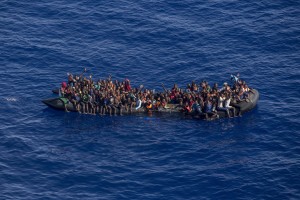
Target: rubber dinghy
[244, 106]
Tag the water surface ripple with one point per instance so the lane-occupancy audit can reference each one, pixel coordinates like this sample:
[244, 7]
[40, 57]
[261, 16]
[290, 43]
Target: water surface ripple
[48, 154]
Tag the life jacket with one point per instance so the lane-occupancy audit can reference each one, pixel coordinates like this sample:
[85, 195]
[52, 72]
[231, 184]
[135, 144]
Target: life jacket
[149, 106]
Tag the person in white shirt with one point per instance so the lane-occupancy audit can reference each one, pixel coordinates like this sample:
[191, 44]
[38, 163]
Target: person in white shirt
[221, 101]
[227, 104]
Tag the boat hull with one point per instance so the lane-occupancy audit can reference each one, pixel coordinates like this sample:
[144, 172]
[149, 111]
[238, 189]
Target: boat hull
[244, 107]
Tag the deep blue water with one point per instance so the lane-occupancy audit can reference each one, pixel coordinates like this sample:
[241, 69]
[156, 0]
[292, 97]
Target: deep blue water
[49, 154]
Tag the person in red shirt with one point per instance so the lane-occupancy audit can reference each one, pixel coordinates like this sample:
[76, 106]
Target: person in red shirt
[127, 85]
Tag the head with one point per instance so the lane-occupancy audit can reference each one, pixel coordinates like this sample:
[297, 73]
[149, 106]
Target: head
[63, 84]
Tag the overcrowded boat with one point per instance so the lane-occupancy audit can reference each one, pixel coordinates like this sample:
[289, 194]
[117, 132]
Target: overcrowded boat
[112, 97]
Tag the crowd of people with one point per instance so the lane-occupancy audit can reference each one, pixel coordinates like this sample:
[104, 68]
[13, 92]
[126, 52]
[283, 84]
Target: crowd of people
[113, 96]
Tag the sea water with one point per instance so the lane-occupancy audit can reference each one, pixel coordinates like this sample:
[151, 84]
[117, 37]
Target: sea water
[50, 154]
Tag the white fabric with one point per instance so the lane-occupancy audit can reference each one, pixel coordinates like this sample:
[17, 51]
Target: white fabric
[220, 102]
[138, 103]
[227, 103]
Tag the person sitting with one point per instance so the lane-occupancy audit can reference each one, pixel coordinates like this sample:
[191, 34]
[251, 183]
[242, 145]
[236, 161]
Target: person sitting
[164, 103]
[97, 99]
[210, 112]
[132, 99]
[157, 103]
[75, 99]
[128, 104]
[138, 103]
[103, 104]
[228, 89]
[91, 103]
[108, 107]
[240, 93]
[84, 102]
[246, 90]
[221, 107]
[173, 96]
[215, 87]
[118, 103]
[148, 106]
[68, 92]
[196, 108]
[224, 88]
[187, 108]
[112, 106]
[227, 104]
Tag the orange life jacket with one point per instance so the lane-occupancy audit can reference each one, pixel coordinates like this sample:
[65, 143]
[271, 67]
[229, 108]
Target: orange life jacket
[149, 106]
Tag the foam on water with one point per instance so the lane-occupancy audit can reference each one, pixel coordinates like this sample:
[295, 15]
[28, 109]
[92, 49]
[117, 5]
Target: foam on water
[11, 99]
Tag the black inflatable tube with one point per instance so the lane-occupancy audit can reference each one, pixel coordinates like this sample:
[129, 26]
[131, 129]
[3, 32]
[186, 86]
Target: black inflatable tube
[244, 106]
